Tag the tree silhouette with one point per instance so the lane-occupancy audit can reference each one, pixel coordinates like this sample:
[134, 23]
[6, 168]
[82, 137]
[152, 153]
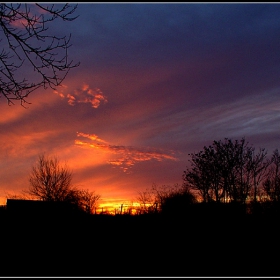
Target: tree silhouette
[87, 200]
[50, 181]
[27, 45]
[272, 182]
[166, 199]
[259, 166]
[146, 201]
[229, 170]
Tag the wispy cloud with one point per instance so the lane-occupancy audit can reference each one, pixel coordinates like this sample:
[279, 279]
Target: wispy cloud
[123, 157]
[91, 137]
[83, 94]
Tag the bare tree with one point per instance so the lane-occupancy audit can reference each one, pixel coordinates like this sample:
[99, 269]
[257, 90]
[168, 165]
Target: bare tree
[27, 45]
[228, 170]
[146, 200]
[258, 167]
[50, 181]
[87, 200]
[271, 184]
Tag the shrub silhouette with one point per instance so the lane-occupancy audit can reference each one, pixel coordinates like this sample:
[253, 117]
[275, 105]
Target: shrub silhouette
[177, 202]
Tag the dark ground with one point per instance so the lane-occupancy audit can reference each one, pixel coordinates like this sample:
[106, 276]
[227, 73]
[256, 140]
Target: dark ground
[152, 245]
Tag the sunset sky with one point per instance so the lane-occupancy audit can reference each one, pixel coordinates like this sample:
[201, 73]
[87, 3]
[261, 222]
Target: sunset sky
[155, 83]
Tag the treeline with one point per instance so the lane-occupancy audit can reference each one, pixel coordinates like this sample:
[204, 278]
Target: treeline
[226, 172]
[233, 171]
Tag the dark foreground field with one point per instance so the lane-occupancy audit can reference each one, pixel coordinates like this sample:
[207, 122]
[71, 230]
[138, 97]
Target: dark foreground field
[152, 245]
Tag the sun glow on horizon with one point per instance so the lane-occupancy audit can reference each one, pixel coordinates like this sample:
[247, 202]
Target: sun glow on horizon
[108, 206]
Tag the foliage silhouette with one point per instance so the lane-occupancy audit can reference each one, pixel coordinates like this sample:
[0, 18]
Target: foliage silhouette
[176, 201]
[165, 199]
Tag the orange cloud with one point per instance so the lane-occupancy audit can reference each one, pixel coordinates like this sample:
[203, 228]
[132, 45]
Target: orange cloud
[84, 94]
[91, 137]
[123, 157]
[71, 99]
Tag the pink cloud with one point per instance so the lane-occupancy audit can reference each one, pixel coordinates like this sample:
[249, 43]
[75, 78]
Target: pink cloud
[71, 99]
[84, 94]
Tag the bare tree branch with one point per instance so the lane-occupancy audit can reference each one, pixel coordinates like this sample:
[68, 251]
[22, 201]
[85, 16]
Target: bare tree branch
[28, 46]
